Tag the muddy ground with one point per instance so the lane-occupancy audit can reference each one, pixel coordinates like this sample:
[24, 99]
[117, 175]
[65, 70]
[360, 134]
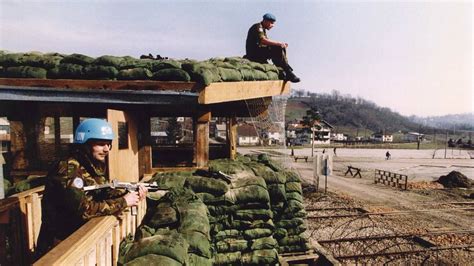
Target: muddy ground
[442, 218]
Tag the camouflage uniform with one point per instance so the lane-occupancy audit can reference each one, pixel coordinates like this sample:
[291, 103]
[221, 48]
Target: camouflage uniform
[66, 207]
[255, 51]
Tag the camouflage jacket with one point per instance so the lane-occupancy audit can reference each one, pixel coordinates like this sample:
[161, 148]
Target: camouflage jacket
[66, 207]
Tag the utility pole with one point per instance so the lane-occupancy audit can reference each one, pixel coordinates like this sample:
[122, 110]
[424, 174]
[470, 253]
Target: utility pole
[446, 145]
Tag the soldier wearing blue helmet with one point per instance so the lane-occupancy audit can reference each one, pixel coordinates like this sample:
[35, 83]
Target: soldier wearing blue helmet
[65, 206]
[260, 48]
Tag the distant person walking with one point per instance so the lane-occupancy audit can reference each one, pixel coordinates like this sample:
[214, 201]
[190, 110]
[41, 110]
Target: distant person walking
[387, 155]
[324, 150]
[335, 151]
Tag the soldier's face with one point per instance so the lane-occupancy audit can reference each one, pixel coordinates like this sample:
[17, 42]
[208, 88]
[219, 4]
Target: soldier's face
[100, 149]
[268, 24]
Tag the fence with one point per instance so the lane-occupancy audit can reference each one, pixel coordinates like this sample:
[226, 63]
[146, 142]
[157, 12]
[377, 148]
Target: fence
[391, 179]
[95, 243]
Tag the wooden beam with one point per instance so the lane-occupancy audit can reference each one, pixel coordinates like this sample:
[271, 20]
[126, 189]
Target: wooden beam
[241, 90]
[102, 84]
[201, 139]
[144, 144]
[232, 137]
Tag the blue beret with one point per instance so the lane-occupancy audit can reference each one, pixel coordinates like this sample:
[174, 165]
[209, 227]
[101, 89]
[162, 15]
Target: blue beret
[269, 16]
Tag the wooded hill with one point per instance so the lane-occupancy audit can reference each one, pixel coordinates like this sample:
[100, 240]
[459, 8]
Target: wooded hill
[346, 112]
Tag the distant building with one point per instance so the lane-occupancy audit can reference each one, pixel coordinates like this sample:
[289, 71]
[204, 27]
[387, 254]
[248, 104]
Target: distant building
[413, 136]
[298, 134]
[221, 131]
[381, 137]
[247, 135]
[338, 137]
[4, 135]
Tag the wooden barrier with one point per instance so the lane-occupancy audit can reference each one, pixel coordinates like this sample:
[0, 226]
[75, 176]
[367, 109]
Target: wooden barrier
[305, 158]
[95, 243]
[391, 179]
[357, 171]
[20, 223]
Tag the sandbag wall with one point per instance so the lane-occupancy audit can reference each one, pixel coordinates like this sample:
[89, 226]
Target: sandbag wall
[107, 67]
[247, 219]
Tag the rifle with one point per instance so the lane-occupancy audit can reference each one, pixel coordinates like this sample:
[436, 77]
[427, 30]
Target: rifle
[129, 186]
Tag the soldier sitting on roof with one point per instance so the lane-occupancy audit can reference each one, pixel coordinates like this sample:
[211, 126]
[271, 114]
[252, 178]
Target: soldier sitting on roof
[65, 206]
[260, 48]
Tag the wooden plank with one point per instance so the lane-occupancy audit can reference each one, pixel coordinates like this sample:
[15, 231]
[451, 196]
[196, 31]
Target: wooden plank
[103, 84]
[241, 90]
[201, 137]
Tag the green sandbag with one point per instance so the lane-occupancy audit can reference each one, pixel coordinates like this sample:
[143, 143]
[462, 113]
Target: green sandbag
[248, 181]
[270, 68]
[66, 71]
[144, 231]
[191, 67]
[129, 62]
[218, 210]
[273, 177]
[211, 200]
[225, 234]
[260, 75]
[134, 74]
[78, 59]
[153, 259]
[231, 245]
[294, 206]
[294, 196]
[11, 59]
[164, 215]
[206, 76]
[257, 66]
[297, 248]
[293, 187]
[293, 240]
[268, 224]
[273, 165]
[297, 230]
[171, 74]
[100, 72]
[264, 243]
[280, 233]
[237, 60]
[26, 72]
[194, 217]
[228, 74]
[254, 214]
[50, 61]
[277, 192]
[158, 65]
[198, 243]
[257, 233]
[248, 74]
[222, 64]
[295, 222]
[251, 194]
[230, 258]
[172, 245]
[272, 75]
[170, 180]
[207, 184]
[226, 166]
[260, 257]
[292, 176]
[196, 260]
[34, 60]
[108, 60]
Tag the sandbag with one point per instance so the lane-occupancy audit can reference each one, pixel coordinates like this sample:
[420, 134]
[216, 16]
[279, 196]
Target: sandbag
[295, 222]
[229, 74]
[264, 243]
[292, 176]
[296, 248]
[293, 187]
[229, 233]
[268, 224]
[100, 72]
[277, 192]
[171, 74]
[11, 59]
[170, 180]
[255, 214]
[261, 257]
[198, 243]
[294, 206]
[172, 245]
[248, 181]
[206, 184]
[257, 233]
[144, 231]
[270, 68]
[251, 194]
[280, 233]
[194, 217]
[66, 71]
[273, 177]
[297, 230]
[26, 72]
[196, 260]
[134, 74]
[164, 215]
[248, 74]
[257, 66]
[226, 166]
[108, 60]
[231, 245]
[205, 76]
[153, 259]
[294, 196]
[272, 75]
[78, 59]
[229, 258]
[158, 65]
[210, 200]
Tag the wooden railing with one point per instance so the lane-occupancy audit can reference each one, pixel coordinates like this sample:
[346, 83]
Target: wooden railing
[95, 243]
[20, 223]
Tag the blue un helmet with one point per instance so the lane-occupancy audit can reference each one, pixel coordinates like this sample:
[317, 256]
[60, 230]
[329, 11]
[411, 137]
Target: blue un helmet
[270, 17]
[93, 128]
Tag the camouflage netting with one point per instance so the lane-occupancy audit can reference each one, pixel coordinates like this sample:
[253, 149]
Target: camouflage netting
[206, 218]
[78, 66]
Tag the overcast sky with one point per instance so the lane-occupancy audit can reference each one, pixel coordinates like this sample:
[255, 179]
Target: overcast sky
[414, 57]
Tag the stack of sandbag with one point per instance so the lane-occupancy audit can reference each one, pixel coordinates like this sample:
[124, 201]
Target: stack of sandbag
[108, 67]
[176, 226]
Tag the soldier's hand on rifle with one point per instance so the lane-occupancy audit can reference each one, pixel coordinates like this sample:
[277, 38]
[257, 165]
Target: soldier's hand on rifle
[132, 198]
[142, 191]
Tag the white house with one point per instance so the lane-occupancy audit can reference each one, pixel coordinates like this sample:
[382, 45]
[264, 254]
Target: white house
[221, 131]
[338, 136]
[413, 136]
[301, 135]
[247, 135]
[381, 137]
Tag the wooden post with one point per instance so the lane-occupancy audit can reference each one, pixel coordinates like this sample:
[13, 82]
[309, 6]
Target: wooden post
[232, 137]
[144, 145]
[201, 138]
